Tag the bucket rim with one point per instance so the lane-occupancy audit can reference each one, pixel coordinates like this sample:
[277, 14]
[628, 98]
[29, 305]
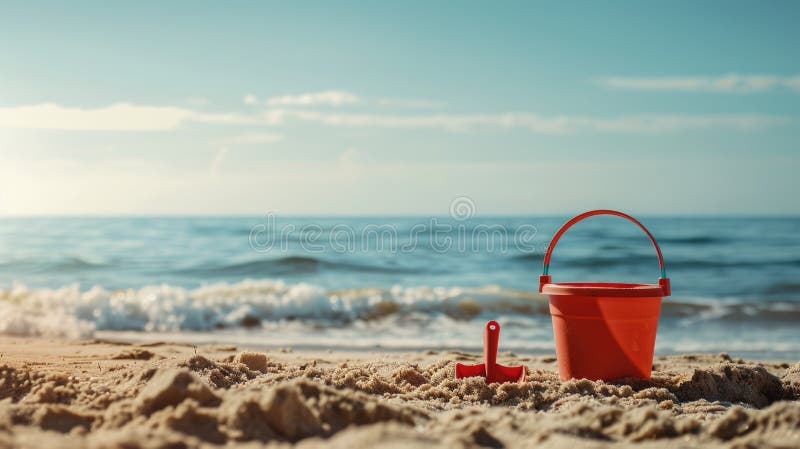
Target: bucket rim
[611, 289]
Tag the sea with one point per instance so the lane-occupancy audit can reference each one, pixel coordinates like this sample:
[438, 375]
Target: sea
[390, 283]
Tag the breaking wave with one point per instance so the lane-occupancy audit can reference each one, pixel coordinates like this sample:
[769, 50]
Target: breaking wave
[289, 265]
[73, 312]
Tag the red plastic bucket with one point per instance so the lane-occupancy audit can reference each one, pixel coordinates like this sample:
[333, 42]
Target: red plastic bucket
[604, 330]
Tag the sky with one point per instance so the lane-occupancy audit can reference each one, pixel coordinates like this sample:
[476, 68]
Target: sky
[397, 108]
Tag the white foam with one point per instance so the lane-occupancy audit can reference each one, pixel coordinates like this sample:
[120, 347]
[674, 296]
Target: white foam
[304, 312]
[74, 313]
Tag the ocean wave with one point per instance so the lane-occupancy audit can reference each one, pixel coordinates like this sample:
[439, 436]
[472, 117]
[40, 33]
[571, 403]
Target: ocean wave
[697, 263]
[664, 240]
[72, 312]
[589, 261]
[692, 240]
[285, 266]
[63, 264]
[783, 287]
[670, 262]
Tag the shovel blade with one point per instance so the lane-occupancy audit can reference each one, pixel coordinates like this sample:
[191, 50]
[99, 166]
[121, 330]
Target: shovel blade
[463, 370]
[504, 373]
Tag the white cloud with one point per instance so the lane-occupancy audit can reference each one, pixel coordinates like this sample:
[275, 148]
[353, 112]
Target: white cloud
[411, 103]
[328, 97]
[449, 122]
[340, 98]
[227, 118]
[130, 117]
[250, 139]
[669, 123]
[541, 124]
[115, 117]
[250, 99]
[728, 83]
[118, 116]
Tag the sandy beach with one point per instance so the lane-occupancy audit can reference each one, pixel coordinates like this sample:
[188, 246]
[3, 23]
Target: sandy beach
[276, 224]
[102, 394]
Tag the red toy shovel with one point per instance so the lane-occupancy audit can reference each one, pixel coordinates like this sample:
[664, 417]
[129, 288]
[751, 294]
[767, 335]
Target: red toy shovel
[489, 368]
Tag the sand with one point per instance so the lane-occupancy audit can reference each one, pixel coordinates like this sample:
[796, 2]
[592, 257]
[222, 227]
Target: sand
[57, 394]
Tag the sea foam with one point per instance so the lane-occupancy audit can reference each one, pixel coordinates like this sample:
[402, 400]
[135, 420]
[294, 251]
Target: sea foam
[73, 312]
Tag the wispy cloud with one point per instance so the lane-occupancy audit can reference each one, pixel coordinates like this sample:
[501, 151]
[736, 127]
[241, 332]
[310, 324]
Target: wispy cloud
[449, 122]
[250, 99]
[115, 117]
[118, 116]
[130, 117]
[411, 103]
[228, 118]
[728, 83]
[542, 124]
[249, 139]
[340, 98]
[328, 97]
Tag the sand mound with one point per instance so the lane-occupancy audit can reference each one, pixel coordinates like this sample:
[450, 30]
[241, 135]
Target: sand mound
[732, 383]
[187, 419]
[791, 382]
[255, 361]
[220, 374]
[176, 399]
[302, 409]
[14, 383]
[134, 354]
[57, 391]
[60, 419]
[280, 413]
[172, 387]
[233, 370]
[779, 420]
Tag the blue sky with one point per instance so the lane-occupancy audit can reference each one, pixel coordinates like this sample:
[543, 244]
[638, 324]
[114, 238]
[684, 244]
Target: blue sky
[382, 108]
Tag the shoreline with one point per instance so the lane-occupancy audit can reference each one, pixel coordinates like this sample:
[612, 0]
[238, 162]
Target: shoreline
[251, 339]
[267, 313]
[112, 394]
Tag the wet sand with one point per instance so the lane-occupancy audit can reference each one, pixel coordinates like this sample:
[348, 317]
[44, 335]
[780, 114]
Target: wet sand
[99, 394]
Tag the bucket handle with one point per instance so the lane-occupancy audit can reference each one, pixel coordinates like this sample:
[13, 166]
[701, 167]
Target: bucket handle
[545, 278]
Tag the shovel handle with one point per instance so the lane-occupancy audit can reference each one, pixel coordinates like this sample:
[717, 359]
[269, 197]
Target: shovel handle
[545, 278]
